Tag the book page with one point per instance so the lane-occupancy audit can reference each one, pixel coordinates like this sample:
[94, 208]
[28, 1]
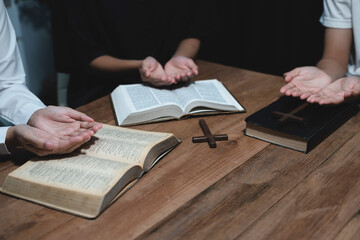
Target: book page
[146, 97]
[209, 91]
[209, 94]
[140, 96]
[166, 96]
[123, 144]
[187, 94]
[206, 90]
[80, 172]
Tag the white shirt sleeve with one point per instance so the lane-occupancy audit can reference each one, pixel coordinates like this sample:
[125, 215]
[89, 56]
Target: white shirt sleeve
[3, 149]
[337, 14]
[17, 103]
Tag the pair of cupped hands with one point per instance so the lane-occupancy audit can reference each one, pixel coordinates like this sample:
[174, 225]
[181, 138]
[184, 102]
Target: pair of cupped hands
[177, 69]
[316, 86]
[53, 130]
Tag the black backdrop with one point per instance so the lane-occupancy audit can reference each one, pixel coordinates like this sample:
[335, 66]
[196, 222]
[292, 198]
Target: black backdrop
[270, 36]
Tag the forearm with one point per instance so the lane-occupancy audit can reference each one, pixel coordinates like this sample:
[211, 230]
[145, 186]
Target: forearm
[112, 64]
[337, 46]
[188, 48]
[332, 67]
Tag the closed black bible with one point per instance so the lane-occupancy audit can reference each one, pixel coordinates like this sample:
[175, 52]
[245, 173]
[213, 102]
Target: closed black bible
[296, 124]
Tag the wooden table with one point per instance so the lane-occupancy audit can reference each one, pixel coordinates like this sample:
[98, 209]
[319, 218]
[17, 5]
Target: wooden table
[243, 189]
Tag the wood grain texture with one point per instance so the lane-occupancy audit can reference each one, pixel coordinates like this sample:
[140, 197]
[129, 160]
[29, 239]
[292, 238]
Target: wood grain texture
[243, 189]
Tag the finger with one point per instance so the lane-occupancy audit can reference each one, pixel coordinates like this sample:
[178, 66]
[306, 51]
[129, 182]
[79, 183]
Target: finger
[287, 87]
[348, 94]
[193, 67]
[296, 93]
[284, 88]
[79, 116]
[310, 99]
[82, 133]
[289, 92]
[195, 70]
[171, 79]
[97, 126]
[163, 80]
[183, 77]
[304, 95]
[290, 75]
[167, 82]
[327, 101]
[68, 130]
[314, 99]
[190, 75]
[87, 125]
[178, 77]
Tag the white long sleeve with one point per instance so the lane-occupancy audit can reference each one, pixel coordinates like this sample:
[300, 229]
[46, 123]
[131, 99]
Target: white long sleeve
[17, 103]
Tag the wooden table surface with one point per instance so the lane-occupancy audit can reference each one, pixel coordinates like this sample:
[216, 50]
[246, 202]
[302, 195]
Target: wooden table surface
[243, 189]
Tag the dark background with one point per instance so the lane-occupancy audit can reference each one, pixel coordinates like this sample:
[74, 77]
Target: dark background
[265, 35]
[268, 36]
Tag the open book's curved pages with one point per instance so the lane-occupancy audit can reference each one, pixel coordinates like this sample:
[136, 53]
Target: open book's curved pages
[139, 103]
[86, 182]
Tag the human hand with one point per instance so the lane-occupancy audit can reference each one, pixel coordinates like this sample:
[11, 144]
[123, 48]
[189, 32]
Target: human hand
[305, 81]
[40, 142]
[181, 68]
[152, 72]
[64, 121]
[337, 92]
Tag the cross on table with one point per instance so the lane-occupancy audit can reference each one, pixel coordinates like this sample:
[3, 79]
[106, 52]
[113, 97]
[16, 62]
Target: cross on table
[283, 117]
[211, 139]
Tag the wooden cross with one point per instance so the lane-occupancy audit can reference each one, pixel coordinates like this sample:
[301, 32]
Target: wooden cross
[283, 117]
[211, 139]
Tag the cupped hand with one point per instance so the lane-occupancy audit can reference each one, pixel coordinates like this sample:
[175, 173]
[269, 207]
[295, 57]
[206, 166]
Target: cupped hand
[305, 81]
[64, 121]
[152, 72]
[40, 142]
[337, 92]
[181, 68]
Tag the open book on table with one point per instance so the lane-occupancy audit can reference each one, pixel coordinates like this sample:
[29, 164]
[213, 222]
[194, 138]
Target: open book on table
[139, 103]
[86, 182]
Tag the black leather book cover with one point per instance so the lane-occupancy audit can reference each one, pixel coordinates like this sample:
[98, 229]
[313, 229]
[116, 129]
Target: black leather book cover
[319, 121]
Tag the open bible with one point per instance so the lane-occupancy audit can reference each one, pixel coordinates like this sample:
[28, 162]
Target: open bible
[86, 182]
[138, 103]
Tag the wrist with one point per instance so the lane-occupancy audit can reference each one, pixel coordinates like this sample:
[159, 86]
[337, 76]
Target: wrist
[10, 139]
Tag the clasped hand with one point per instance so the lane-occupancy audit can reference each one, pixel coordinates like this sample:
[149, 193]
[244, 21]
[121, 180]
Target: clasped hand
[177, 69]
[316, 86]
